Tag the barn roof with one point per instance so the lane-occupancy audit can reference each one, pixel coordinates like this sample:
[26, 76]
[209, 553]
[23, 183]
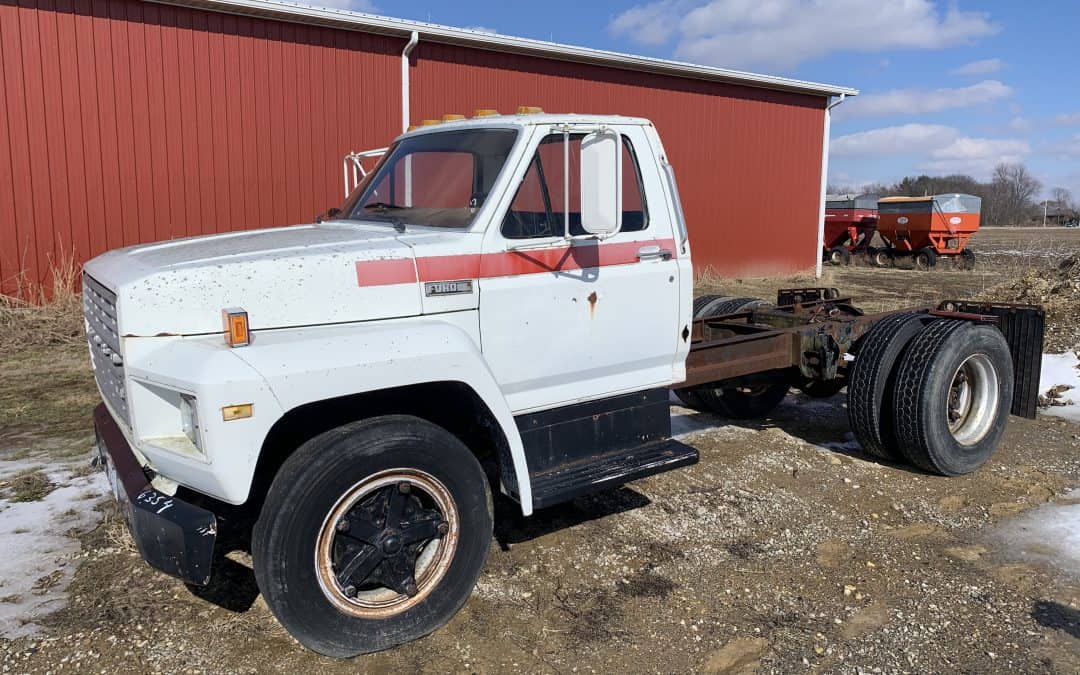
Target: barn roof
[431, 32]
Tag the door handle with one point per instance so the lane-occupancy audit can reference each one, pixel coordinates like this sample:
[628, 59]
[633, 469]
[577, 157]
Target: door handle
[652, 252]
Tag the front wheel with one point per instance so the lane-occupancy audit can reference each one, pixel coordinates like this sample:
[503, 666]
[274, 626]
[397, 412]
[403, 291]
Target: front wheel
[372, 534]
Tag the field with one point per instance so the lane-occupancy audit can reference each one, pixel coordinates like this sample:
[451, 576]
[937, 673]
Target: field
[785, 550]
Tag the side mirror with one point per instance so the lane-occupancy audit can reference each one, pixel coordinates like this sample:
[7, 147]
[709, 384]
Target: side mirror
[601, 183]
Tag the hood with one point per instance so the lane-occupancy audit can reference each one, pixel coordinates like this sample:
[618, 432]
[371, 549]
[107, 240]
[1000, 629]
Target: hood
[289, 276]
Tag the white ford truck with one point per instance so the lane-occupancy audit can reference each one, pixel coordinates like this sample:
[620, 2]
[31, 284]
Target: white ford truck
[502, 305]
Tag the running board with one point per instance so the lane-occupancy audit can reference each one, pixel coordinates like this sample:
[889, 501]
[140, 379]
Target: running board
[593, 474]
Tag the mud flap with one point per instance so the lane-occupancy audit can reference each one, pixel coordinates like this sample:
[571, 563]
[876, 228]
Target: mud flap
[1022, 326]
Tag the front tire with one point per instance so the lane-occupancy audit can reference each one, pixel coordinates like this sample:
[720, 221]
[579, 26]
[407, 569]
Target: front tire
[372, 534]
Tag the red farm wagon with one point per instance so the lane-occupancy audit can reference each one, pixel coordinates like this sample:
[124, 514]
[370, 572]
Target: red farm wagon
[927, 229]
[850, 222]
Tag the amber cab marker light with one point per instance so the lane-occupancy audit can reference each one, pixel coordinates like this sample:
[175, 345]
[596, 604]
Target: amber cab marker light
[236, 327]
[236, 412]
[529, 110]
[485, 112]
[452, 117]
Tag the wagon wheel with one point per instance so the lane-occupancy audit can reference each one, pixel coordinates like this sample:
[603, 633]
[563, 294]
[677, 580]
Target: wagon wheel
[883, 257]
[967, 259]
[839, 255]
[925, 258]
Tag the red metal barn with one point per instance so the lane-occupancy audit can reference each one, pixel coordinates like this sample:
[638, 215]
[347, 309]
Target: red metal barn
[125, 121]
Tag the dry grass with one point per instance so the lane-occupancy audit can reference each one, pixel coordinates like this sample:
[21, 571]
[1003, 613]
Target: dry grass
[42, 314]
[45, 380]
[27, 486]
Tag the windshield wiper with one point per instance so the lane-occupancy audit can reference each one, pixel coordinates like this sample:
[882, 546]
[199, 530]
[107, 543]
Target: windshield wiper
[398, 223]
[383, 206]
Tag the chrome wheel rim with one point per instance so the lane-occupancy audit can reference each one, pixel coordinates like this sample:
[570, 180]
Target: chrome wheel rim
[387, 543]
[972, 402]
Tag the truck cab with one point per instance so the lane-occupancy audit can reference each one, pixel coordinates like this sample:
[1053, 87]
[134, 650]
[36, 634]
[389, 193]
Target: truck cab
[514, 279]
[502, 304]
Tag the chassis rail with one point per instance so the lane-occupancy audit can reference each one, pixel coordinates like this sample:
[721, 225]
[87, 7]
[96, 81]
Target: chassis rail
[807, 336]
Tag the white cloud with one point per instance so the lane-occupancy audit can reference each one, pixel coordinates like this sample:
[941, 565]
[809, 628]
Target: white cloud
[652, 24]
[935, 147]
[783, 33]
[1067, 148]
[1067, 119]
[898, 140]
[1021, 124]
[983, 67]
[921, 102]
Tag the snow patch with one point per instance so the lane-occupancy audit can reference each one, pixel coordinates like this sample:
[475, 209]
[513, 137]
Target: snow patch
[40, 549]
[1049, 534]
[1062, 369]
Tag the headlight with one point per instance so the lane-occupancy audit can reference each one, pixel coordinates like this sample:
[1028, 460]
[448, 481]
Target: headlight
[189, 419]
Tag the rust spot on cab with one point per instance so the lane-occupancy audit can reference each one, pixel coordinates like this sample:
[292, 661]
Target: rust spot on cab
[592, 303]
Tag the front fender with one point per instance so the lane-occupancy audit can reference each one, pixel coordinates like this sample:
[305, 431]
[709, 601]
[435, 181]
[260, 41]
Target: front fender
[308, 365]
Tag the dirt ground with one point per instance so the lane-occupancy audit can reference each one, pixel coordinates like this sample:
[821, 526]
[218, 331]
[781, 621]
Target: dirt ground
[784, 550]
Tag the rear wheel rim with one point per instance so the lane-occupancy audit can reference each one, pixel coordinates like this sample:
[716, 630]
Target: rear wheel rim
[387, 543]
[972, 402]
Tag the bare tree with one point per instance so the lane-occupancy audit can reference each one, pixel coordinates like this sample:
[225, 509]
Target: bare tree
[1011, 198]
[1063, 197]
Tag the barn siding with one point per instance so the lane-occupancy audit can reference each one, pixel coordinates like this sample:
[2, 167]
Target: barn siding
[124, 122]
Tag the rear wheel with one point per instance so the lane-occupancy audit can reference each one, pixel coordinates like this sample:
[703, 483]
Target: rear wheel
[870, 380]
[741, 402]
[839, 256]
[967, 259]
[822, 388]
[882, 257]
[372, 535]
[926, 258]
[952, 396]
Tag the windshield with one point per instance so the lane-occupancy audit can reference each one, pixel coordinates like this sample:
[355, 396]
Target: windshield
[438, 180]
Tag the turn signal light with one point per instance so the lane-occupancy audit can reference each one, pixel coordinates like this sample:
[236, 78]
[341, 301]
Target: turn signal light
[452, 117]
[529, 110]
[485, 112]
[236, 412]
[236, 327]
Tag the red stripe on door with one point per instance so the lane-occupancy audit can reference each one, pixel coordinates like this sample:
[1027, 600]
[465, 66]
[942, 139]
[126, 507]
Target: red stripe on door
[508, 264]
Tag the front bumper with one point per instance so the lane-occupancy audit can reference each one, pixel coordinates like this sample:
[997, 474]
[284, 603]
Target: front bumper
[172, 535]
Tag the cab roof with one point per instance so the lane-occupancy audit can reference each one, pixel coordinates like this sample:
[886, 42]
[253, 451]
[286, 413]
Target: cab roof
[526, 120]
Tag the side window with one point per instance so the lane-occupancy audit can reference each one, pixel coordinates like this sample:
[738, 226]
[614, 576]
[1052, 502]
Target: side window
[538, 208]
[635, 214]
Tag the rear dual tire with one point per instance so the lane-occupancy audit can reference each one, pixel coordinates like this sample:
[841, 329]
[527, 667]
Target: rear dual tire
[935, 392]
[969, 368]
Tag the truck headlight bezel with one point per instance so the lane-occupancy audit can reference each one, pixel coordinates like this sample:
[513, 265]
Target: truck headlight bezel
[189, 419]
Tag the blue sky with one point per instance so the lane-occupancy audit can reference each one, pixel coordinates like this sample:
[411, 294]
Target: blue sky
[948, 86]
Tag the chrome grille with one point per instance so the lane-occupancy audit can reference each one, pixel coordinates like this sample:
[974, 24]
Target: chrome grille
[99, 308]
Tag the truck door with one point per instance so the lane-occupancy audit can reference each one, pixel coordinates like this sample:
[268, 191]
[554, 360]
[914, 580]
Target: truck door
[565, 321]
